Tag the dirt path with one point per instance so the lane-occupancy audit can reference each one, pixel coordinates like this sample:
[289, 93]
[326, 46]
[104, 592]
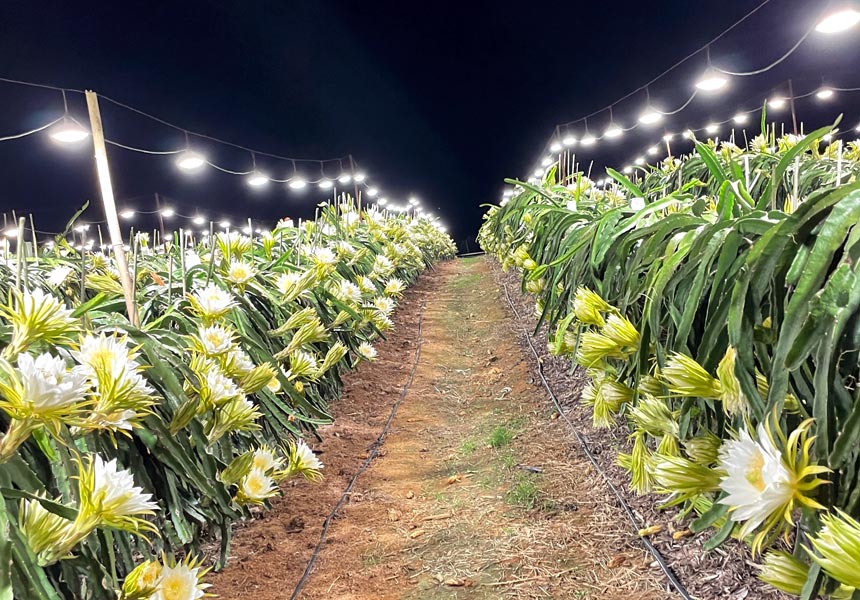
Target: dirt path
[476, 493]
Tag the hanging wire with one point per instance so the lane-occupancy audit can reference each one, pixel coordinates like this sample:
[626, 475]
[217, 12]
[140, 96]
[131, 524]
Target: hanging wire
[776, 62]
[17, 136]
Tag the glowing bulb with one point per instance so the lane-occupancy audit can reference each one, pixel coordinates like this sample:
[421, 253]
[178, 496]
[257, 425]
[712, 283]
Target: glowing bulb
[68, 133]
[640, 160]
[555, 147]
[569, 140]
[127, 213]
[827, 137]
[167, 212]
[689, 134]
[383, 201]
[824, 94]
[650, 116]
[414, 201]
[359, 177]
[627, 170]
[344, 179]
[588, 140]
[546, 162]
[740, 118]
[256, 179]
[712, 128]
[652, 150]
[711, 81]
[190, 161]
[224, 224]
[668, 137]
[326, 184]
[11, 232]
[372, 192]
[838, 21]
[613, 132]
[776, 103]
[297, 183]
[198, 220]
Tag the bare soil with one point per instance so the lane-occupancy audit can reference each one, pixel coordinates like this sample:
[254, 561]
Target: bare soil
[478, 491]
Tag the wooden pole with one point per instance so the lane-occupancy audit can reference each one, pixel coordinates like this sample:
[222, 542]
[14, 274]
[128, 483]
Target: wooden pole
[111, 217]
[793, 111]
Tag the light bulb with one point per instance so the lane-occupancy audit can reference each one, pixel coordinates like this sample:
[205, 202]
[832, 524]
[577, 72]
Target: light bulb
[824, 94]
[640, 160]
[652, 150]
[546, 162]
[11, 232]
[555, 147]
[711, 80]
[224, 224]
[344, 179]
[588, 140]
[68, 133]
[297, 183]
[838, 21]
[668, 137]
[712, 128]
[326, 184]
[190, 161]
[127, 213]
[689, 134]
[167, 212]
[198, 220]
[627, 170]
[569, 140]
[372, 192]
[613, 132]
[740, 118]
[383, 201]
[256, 179]
[650, 116]
[776, 103]
[359, 177]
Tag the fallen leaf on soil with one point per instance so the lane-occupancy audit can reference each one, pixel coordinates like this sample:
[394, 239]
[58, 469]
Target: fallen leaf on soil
[453, 479]
[438, 517]
[394, 514]
[617, 561]
[680, 534]
[410, 495]
[554, 416]
[459, 582]
[416, 533]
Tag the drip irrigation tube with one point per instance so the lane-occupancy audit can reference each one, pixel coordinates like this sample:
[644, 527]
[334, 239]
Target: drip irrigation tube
[370, 457]
[673, 579]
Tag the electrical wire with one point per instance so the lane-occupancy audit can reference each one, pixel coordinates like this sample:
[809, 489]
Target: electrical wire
[18, 136]
[776, 62]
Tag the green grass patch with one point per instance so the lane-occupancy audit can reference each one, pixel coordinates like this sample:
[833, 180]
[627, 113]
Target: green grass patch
[524, 493]
[501, 436]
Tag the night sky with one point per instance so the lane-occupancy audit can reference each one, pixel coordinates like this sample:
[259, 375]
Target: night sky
[442, 100]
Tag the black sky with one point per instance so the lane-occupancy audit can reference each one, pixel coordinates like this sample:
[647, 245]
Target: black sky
[438, 99]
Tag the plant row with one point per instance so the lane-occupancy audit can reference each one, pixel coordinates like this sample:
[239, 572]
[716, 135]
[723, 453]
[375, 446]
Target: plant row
[714, 301]
[127, 450]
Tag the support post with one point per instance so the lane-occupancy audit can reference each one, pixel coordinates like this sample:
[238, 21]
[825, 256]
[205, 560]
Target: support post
[111, 217]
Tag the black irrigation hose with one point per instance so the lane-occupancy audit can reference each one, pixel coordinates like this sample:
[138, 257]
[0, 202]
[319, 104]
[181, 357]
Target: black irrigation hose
[370, 457]
[673, 579]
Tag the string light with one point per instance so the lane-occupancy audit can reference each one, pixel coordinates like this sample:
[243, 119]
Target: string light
[382, 201]
[777, 103]
[613, 131]
[297, 183]
[68, 132]
[190, 161]
[555, 147]
[326, 184]
[824, 94]
[712, 128]
[839, 21]
[588, 140]
[167, 212]
[627, 170]
[360, 177]
[224, 224]
[372, 192]
[740, 118]
[653, 150]
[198, 220]
[538, 173]
[569, 141]
[640, 160]
[344, 179]
[668, 137]
[257, 179]
[546, 162]
[127, 214]
[711, 80]
[650, 116]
